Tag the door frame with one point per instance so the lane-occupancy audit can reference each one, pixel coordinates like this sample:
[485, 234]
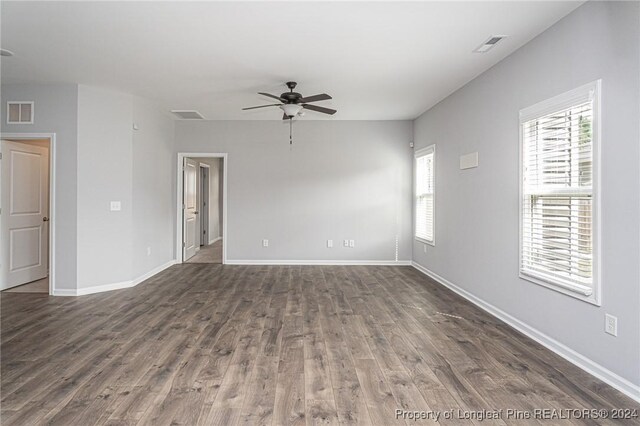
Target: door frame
[179, 200]
[52, 195]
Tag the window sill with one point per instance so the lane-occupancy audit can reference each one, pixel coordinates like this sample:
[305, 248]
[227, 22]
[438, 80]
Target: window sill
[422, 240]
[577, 293]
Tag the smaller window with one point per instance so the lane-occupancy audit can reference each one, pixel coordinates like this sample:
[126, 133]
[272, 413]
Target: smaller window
[19, 112]
[425, 194]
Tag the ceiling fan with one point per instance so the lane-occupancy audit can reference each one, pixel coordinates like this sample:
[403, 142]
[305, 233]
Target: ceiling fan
[292, 103]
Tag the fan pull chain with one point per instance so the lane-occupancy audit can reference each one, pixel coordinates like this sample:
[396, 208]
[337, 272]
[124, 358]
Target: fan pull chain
[290, 131]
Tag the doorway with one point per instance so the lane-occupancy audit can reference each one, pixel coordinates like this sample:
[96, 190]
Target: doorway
[27, 198]
[201, 224]
[203, 189]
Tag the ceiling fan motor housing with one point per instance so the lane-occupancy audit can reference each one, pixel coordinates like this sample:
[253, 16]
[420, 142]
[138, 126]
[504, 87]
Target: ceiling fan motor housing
[291, 97]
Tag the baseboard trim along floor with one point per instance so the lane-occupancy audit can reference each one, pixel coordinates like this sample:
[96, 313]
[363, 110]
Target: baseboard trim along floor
[321, 262]
[214, 240]
[113, 286]
[591, 367]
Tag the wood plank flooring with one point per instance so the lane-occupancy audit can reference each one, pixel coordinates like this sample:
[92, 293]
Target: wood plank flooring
[208, 254]
[276, 345]
[39, 286]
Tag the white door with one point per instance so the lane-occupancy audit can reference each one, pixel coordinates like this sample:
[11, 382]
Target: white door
[24, 216]
[190, 228]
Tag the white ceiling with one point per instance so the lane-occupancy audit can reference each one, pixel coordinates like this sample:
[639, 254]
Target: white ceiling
[379, 60]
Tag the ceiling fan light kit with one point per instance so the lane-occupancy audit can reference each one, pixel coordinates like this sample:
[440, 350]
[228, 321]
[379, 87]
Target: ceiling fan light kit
[291, 110]
[293, 104]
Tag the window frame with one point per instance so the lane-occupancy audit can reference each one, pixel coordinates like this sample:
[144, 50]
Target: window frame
[588, 92]
[419, 154]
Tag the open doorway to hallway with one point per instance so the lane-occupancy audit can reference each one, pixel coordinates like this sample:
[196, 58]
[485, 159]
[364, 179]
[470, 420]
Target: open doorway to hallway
[25, 199]
[203, 216]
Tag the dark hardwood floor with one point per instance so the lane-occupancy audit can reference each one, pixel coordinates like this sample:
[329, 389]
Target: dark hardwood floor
[208, 254]
[222, 345]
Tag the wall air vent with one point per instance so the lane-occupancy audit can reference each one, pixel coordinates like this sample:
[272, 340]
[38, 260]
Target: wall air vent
[19, 112]
[187, 115]
[488, 45]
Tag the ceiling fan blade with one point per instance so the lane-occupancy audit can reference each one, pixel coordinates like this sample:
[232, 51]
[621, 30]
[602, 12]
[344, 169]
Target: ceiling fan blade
[320, 109]
[314, 98]
[261, 106]
[271, 96]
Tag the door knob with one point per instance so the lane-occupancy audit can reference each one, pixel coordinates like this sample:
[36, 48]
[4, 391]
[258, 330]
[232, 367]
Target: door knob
[45, 219]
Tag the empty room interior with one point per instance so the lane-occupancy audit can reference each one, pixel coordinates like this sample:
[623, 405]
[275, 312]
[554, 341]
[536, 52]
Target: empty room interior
[320, 212]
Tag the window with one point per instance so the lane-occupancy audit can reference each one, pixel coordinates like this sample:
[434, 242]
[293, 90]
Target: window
[425, 194]
[559, 214]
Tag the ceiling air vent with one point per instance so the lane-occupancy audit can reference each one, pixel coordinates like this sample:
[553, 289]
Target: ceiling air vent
[19, 112]
[488, 45]
[187, 115]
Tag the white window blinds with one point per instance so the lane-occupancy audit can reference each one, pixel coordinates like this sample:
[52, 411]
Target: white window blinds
[558, 194]
[425, 194]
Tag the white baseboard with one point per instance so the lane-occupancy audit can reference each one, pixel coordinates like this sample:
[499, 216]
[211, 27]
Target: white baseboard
[152, 272]
[321, 262]
[214, 240]
[64, 292]
[102, 288]
[113, 286]
[623, 385]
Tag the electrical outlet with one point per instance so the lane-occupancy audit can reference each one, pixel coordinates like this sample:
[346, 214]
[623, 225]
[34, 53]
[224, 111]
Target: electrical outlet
[116, 206]
[352, 243]
[265, 243]
[611, 325]
[329, 243]
[346, 243]
[148, 251]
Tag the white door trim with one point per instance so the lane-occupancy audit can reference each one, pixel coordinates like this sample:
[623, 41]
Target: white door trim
[52, 195]
[180, 189]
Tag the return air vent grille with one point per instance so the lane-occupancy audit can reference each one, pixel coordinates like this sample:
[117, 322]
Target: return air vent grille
[489, 44]
[19, 112]
[188, 115]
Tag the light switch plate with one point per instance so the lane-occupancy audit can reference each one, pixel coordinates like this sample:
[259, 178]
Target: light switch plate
[329, 243]
[116, 206]
[265, 243]
[352, 243]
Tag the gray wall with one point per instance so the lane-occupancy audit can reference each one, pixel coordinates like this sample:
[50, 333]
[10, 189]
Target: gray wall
[56, 111]
[153, 187]
[339, 180]
[477, 210]
[100, 159]
[118, 163]
[105, 170]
